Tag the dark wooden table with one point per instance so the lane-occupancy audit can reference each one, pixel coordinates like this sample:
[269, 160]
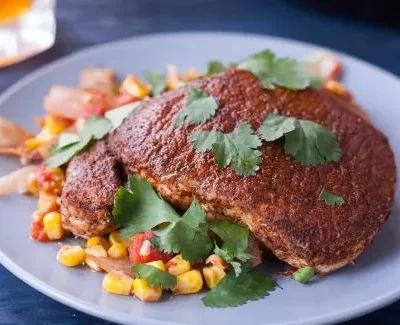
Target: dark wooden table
[87, 22]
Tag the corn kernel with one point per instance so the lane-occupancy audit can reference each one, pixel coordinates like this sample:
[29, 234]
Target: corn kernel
[32, 185]
[216, 260]
[213, 274]
[177, 265]
[337, 88]
[144, 292]
[158, 264]
[70, 255]
[32, 144]
[55, 125]
[47, 202]
[96, 250]
[98, 240]
[117, 250]
[51, 180]
[118, 283]
[135, 87]
[115, 238]
[52, 225]
[188, 283]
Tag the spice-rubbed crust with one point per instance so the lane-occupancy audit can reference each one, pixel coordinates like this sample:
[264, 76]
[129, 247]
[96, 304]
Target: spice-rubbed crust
[88, 195]
[280, 204]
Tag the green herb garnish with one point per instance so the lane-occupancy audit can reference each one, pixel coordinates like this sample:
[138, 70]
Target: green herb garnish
[155, 277]
[215, 67]
[95, 128]
[308, 142]
[199, 108]
[331, 198]
[157, 81]
[304, 274]
[234, 291]
[273, 71]
[118, 115]
[139, 208]
[237, 148]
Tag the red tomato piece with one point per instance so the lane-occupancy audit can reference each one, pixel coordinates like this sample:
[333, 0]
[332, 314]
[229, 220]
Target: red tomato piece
[124, 98]
[37, 231]
[135, 245]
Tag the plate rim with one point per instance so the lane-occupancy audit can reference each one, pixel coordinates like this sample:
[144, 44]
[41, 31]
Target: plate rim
[115, 316]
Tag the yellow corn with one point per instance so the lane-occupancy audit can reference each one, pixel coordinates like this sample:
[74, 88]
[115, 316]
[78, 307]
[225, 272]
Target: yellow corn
[213, 274]
[216, 260]
[337, 88]
[32, 186]
[55, 125]
[98, 240]
[70, 255]
[96, 250]
[52, 225]
[47, 202]
[188, 283]
[177, 265]
[115, 238]
[135, 87]
[56, 182]
[118, 283]
[158, 264]
[117, 250]
[33, 143]
[145, 292]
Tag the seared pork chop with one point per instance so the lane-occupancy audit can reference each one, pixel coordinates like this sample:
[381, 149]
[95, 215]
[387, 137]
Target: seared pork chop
[280, 204]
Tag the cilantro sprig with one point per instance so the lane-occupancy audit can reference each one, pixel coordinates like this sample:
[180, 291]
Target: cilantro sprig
[155, 277]
[215, 67]
[94, 128]
[308, 142]
[330, 198]
[237, 148]
[139, 208]
[273, 71]
[157, 81]
[199, 108]
[232, 290]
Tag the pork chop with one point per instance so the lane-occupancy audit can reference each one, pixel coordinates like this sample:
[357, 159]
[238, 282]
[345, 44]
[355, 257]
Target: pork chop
[280, 204]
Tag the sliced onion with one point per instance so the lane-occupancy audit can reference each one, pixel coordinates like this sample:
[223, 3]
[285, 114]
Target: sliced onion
[109, 264]
[98, 78]
[12, 135]
[325, 65]
[17, 181]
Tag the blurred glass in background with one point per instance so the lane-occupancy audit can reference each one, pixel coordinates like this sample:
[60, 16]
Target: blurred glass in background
[27, 27]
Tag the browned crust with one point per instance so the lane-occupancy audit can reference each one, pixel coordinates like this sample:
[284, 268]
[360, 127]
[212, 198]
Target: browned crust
[280, 204]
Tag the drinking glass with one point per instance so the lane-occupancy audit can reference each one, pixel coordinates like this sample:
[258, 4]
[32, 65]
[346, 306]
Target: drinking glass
[27, 28]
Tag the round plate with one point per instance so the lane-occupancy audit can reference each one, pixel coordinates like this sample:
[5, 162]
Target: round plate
[372, 282]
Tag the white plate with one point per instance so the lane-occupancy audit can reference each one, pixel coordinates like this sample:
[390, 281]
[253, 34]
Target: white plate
[372, 282]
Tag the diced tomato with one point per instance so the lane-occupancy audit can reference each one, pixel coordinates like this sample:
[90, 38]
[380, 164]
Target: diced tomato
[97, 104]
[135, 245]
[44, 176]
[124, 98]
[37, 231]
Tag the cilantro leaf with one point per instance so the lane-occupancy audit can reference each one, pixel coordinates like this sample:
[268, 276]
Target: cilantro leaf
[228, 257]
[308, 142]
[94, 128]
[237, 148]
[215, 67]
[140, 208]
[312, 144]
[289, 73]
[235, 239]
[155, 277]
[157, 81]
[118, 115]
[304, 274]
[233, 291]
[187, 235]
[273, 71]
[275, 126]
[331, 198]
[199, 108]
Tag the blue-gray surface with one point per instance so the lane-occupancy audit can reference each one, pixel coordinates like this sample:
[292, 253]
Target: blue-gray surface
[87, 22]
